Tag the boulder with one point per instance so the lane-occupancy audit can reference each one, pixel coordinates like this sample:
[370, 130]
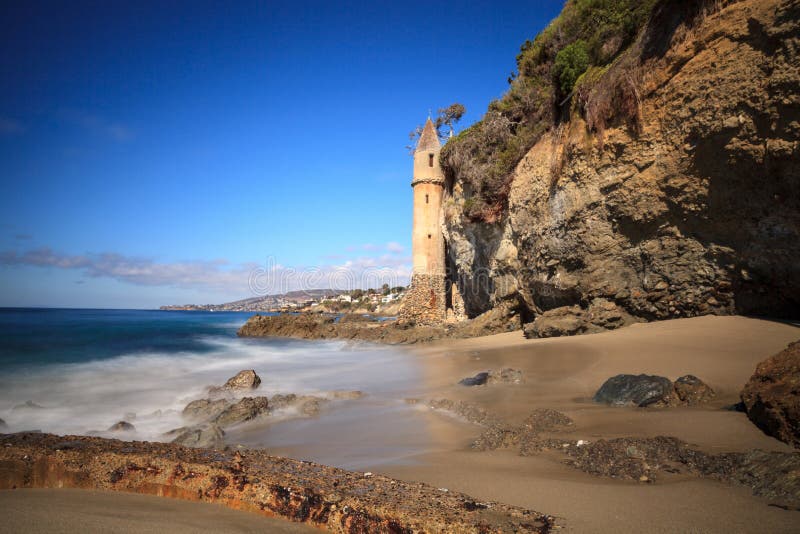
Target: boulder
[246, 409]
[478, 380]
[243, 381]
[637, 390]
[121, 426]
[691, 390]
[601, 315]
[772, 395]
[504, 317]
[606, 315]
[206, 436]
[503, 376]
[204, 409]
[564, 321]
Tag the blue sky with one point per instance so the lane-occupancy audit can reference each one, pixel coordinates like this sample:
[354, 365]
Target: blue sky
[160, 152]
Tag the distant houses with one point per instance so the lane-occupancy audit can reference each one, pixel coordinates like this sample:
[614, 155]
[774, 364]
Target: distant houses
[366, 300]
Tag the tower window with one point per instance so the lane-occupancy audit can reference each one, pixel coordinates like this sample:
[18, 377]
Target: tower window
[430, 160]
[426, 199]
[429, 236]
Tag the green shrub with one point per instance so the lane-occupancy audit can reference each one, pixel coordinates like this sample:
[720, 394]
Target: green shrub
[570, 63]
[586, 36]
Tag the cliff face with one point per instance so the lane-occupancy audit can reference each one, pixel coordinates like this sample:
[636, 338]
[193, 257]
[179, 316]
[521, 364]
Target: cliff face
[693, 209]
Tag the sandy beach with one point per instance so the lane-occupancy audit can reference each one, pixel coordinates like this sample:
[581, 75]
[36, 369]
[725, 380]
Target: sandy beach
[58, 511]
[560, 374]
[563, 374]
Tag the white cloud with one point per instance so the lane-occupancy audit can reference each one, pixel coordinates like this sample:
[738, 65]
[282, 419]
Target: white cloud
[219, 275]
[394, 247]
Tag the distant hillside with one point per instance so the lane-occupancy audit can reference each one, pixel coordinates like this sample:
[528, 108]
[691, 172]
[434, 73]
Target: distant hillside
[265, 303]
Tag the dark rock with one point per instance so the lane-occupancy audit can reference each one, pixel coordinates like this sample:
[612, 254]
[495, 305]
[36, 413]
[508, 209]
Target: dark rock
[246, 409]
[691, 390]
[69, 445]
[27, 405]
[504, 376]
[637, 390]
[771, 475]
[738, 407]
[121, 426]
[206, 436]
[772, 395]
[205, 409]
[478, 380]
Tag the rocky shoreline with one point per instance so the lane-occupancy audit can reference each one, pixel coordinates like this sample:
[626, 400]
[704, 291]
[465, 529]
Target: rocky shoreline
[768, 474]
[251, 480]
[358, 327]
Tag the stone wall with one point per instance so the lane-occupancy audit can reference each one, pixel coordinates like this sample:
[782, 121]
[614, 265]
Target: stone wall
[456, 312]
[424, 303]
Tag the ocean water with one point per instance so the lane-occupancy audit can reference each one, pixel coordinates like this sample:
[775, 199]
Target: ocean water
[84, 370]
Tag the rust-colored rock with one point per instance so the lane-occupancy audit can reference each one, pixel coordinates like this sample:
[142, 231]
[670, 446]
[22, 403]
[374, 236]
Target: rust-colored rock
[691, 390]
[772, 395]
[330, 498]
[321, 326]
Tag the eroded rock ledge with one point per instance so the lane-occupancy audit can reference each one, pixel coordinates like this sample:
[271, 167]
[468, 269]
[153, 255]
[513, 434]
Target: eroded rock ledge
[251, 480]
[361, 328]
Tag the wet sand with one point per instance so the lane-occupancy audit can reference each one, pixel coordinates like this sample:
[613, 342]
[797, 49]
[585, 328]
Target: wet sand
[66, 511]
[563, 374]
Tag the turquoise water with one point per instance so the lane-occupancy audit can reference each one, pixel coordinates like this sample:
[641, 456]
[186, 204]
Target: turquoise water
[87, 369]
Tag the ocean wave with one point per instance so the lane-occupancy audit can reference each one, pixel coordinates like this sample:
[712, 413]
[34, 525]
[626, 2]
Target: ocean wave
[149, 389]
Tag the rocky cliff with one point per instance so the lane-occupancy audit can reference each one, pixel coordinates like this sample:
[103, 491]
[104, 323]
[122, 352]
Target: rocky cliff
[681, 201]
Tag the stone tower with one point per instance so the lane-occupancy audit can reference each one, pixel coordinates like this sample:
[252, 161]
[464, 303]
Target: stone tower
[425, 300]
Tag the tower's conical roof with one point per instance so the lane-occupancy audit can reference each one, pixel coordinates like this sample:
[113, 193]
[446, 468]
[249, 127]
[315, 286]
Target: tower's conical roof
[429, 140]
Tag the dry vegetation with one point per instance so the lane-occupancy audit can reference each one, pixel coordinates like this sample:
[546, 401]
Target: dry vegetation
[586, 61]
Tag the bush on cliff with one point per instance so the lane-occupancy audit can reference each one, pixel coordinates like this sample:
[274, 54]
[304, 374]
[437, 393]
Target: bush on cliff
[586, 36]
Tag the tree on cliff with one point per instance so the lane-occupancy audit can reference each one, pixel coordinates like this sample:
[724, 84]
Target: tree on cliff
[444, 123]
